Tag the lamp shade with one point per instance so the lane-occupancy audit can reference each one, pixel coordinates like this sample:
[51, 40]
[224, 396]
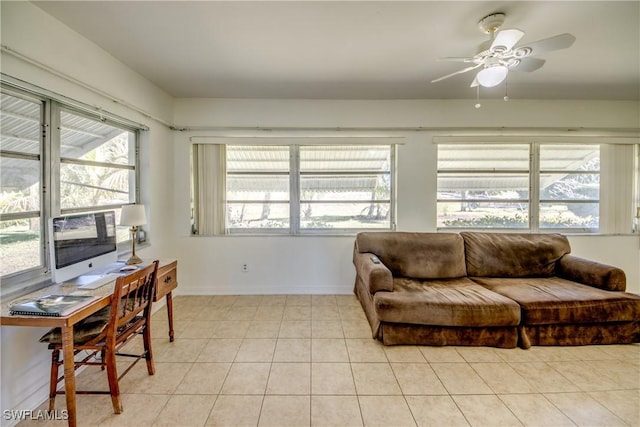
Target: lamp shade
[492, 76]
[133, 215]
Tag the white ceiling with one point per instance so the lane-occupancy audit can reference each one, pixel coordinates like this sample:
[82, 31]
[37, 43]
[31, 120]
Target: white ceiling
[357, 49]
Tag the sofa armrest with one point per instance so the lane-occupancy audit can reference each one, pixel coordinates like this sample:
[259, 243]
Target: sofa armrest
[375, 275]
[591, 273]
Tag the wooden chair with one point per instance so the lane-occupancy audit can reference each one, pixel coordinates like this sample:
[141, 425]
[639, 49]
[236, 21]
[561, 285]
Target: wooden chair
[107, 331]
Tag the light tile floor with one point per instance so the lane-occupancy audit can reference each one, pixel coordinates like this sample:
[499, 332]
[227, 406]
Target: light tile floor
[310, 360]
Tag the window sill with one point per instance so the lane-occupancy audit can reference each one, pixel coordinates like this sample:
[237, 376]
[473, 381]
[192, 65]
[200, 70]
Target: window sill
[16, 290]
[352, 233]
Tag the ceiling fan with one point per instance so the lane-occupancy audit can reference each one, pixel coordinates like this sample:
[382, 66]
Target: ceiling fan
[498, 55]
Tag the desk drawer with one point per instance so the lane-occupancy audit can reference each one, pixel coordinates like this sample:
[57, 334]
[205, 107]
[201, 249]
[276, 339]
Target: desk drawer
[167, 279]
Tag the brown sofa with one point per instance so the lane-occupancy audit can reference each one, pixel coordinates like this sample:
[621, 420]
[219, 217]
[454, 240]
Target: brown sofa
[489, 289]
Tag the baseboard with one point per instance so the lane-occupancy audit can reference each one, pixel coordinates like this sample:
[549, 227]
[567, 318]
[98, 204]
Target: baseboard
[263, 290]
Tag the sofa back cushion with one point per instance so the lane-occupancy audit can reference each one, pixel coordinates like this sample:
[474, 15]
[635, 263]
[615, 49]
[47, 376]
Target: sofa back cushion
[513, 255]
[416, 255]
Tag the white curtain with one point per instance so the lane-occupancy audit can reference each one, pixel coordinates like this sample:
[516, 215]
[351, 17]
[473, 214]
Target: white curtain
[617, 188]
[209, 188]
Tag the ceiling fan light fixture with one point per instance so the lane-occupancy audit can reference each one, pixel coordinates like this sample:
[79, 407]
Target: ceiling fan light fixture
[492, 76]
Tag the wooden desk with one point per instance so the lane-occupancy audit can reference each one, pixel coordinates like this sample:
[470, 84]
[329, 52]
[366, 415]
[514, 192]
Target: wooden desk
[166, 282]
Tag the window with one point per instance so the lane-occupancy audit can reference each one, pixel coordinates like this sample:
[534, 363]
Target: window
[569, 186]
[294, 189]
[54, 160]
[483, 186]
[258, 187]
[535, 186]
[97, 164]
[21, 191]
[345, 187]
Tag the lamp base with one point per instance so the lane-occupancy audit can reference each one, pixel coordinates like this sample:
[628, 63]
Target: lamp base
[134, 260]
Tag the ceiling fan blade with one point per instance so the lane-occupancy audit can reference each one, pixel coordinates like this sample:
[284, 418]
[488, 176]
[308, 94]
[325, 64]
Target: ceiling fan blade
[464, 70]
[561, 41]
[529, 64]
[506, 39]
[454, 59]
[474, 83]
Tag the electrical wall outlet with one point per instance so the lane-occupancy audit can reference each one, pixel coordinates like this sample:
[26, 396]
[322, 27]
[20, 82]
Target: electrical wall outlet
[244, 268]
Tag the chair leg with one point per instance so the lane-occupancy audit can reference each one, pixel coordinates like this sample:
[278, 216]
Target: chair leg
[53, 380]
[146, 337]
[114, 388]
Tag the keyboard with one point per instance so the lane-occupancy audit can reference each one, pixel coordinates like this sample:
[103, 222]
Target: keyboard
[96, 281]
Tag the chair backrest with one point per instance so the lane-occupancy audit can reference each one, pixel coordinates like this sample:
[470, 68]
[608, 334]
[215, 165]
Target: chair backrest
[132, 295]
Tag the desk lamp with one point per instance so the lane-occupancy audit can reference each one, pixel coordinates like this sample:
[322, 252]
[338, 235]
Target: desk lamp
[134, 216]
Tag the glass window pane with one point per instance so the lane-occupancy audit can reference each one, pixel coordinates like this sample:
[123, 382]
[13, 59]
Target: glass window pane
[345, 215]
[345, 187]
[334, 158]
[483, 215]
[478, 185]
[258, 187]
[569, 157]
[20, 245]
[82, 138]
[20, 122]
[352, 184]
[86, 186]
[554, 186]
[258, 215]
[21, 193]
[498, 157]
[570, 215]
[95, 143]
[561, 192]
[252, 158]
[20, 189]
[489, 188]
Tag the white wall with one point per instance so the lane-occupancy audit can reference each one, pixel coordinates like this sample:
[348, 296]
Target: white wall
[24, 363]
[297, 264]
[276, 264]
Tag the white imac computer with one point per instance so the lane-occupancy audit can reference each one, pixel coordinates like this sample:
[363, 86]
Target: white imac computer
[81, 243]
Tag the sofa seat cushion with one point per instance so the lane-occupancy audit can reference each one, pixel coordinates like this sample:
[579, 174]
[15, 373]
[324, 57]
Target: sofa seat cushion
[445, 302]
[547, 300]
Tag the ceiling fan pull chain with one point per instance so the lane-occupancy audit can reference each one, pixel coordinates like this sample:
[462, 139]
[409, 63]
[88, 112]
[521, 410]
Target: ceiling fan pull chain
[478, 105]
[506, 90]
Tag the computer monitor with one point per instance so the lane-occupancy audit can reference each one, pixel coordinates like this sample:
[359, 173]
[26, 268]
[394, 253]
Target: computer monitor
[81, 243]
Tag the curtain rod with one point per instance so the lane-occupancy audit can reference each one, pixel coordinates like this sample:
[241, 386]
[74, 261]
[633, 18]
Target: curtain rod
[8, 50]
[445, 131]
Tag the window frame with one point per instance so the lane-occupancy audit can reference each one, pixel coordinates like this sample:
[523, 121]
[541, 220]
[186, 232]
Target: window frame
[289, 173]
[44, 153]
[50, 162]
[294, 201]
[539, 201]
[534, 200]
[345, 230]
[58, 160]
